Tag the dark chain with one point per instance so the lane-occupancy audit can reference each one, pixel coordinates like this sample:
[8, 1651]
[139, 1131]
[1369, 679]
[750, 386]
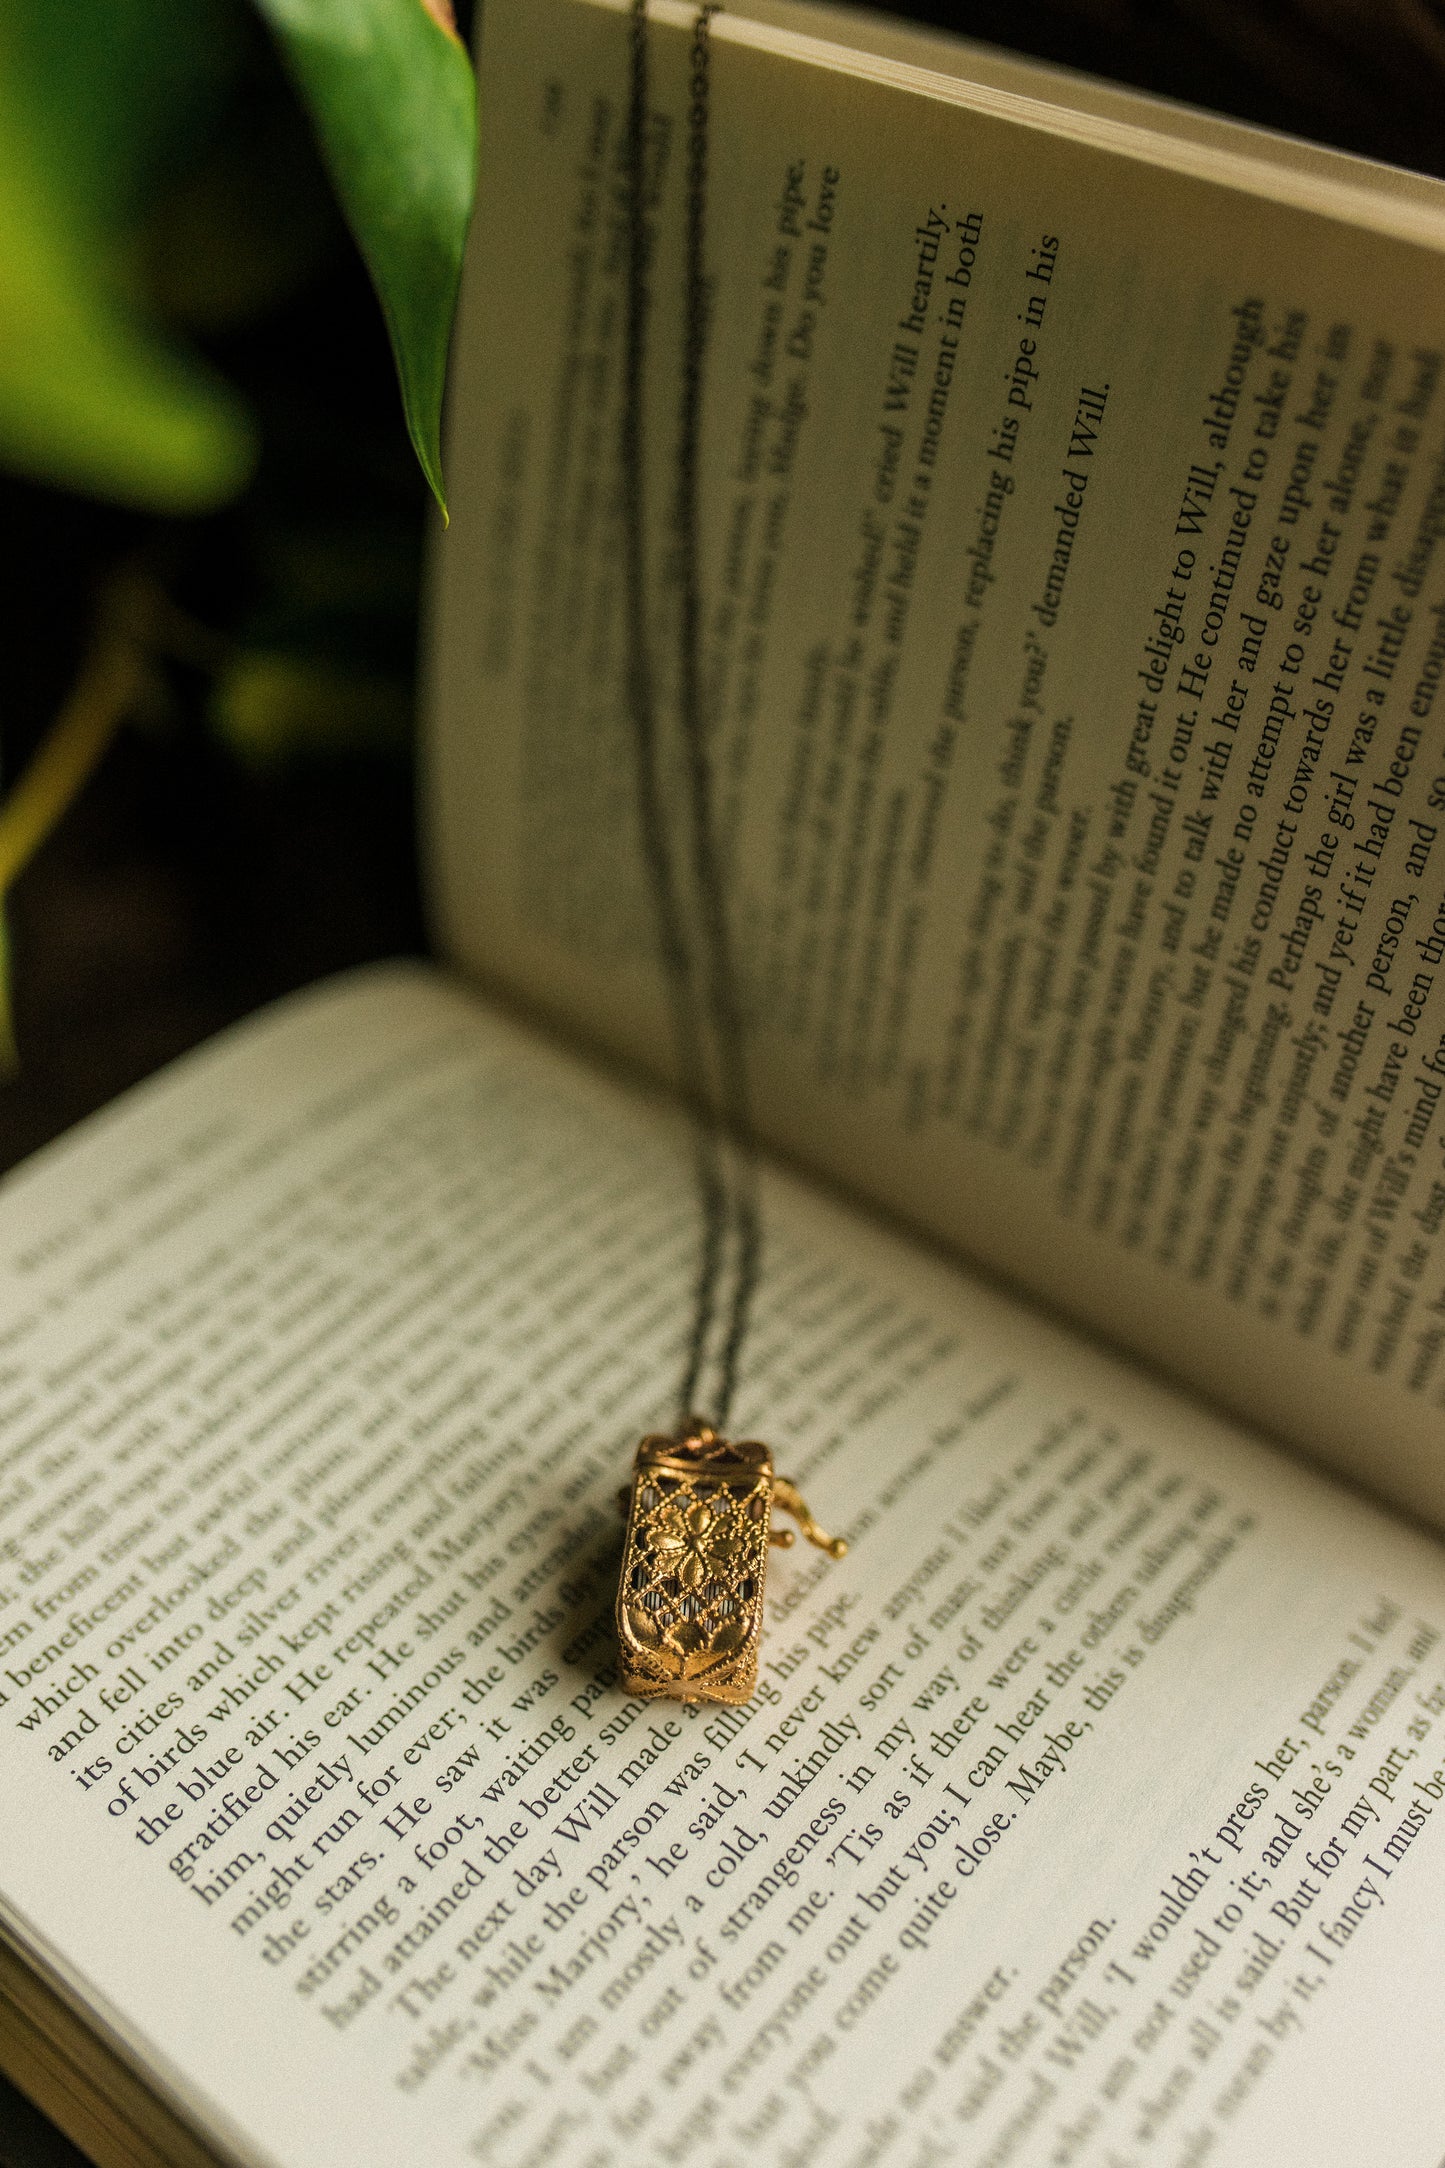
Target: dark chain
[706, 1014]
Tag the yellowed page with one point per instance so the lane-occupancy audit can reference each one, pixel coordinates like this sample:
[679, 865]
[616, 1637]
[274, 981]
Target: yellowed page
[1087, 1809]
[1074, 618]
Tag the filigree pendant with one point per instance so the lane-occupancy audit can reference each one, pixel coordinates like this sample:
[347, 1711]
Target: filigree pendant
[699, 1523]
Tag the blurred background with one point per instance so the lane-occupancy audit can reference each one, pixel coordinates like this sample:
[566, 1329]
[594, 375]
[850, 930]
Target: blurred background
[249, 824]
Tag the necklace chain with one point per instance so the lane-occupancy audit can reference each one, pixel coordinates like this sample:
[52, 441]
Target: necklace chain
[693, 935]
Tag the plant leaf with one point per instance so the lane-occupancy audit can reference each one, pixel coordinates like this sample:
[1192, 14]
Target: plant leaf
[90, 394]
[390, 90]
[275, 707]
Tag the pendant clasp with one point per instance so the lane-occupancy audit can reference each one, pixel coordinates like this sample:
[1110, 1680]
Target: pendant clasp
[699, 1526]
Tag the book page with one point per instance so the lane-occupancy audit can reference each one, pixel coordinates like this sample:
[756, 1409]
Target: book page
[1087, 1810]
[1073, 629]
[983, 67]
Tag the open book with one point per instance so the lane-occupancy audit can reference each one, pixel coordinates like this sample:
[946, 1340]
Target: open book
[1070, 475]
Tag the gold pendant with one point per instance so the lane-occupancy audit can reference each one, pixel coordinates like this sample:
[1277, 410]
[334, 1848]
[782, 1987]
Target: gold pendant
[699, 1522]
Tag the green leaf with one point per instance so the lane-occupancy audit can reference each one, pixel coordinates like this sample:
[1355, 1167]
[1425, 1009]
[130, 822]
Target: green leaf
[91, 394]
[123, 90]
[275, 707]
[390, 90]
